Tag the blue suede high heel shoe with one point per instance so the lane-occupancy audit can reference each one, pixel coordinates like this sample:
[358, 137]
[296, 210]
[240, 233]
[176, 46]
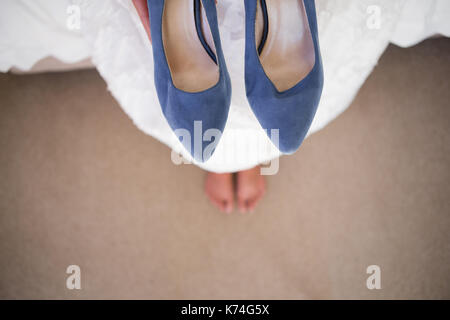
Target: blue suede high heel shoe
[283, 67]
[191, 77]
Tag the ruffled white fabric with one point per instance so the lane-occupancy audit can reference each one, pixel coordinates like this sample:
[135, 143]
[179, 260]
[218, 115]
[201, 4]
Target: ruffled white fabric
[352, 41]
[31, 30]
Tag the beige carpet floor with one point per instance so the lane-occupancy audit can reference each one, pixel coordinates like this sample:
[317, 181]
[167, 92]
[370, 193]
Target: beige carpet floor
[80, 184]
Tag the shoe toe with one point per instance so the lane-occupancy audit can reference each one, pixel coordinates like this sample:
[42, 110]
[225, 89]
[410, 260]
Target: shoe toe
[285, 120]
[198, 120]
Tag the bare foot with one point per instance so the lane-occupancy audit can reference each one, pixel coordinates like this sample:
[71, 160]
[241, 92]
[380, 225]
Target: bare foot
[251, 187]
[219, 189]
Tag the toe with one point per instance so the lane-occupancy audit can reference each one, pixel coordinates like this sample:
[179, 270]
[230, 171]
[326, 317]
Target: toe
[218, 203]
[251, 204]
[224, 205]
[242, 204]
[228, 206]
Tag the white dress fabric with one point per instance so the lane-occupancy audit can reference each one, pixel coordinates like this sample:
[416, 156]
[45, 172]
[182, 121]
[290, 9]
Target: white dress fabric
[353, 35]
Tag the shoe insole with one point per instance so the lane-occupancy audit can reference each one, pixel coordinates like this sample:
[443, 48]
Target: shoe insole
[191, 67]
[287, 55]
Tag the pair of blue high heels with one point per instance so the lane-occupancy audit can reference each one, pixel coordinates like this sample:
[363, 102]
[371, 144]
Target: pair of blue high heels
[193, 84]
